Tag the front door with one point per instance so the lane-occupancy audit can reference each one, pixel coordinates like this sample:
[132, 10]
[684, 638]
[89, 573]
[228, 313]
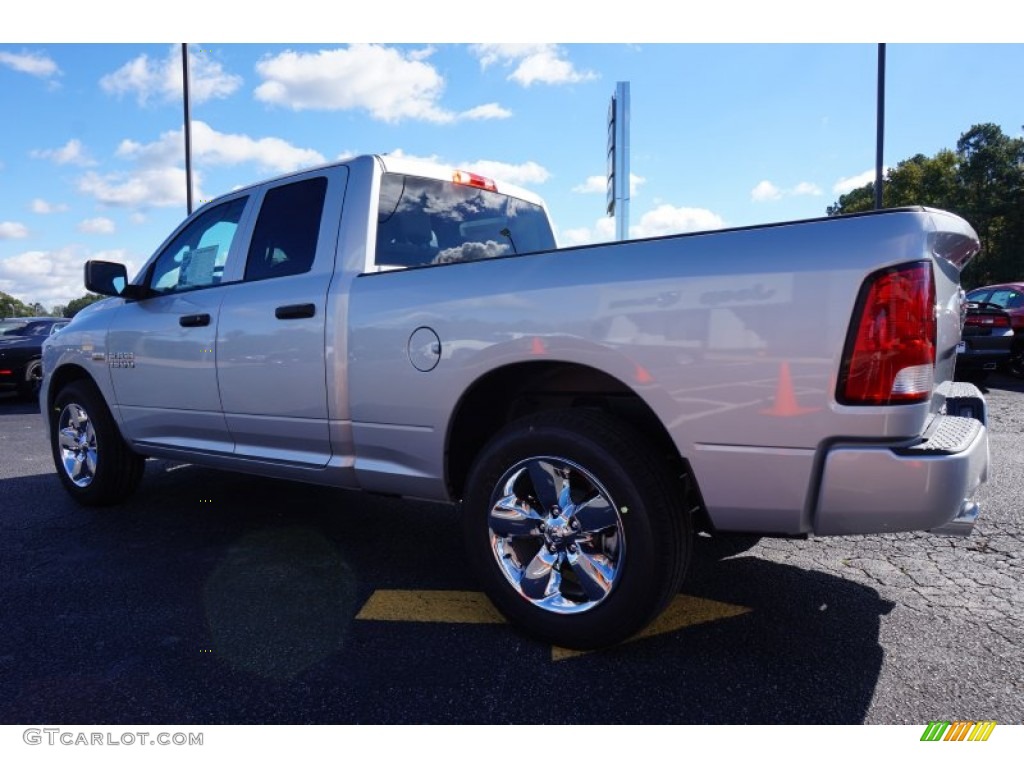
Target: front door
[162, 350]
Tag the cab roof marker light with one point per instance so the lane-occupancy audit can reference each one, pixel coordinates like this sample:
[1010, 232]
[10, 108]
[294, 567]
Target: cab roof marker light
[474, 180]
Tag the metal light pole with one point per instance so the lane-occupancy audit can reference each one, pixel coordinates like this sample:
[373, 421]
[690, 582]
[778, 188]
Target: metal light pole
[880, 130]
[188, 130]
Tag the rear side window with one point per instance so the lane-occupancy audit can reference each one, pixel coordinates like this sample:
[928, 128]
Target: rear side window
[285, 237]
[428, 221]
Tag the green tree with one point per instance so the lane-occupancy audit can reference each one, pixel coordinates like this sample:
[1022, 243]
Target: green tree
[77, 305]
[12, 307]
[983, 181]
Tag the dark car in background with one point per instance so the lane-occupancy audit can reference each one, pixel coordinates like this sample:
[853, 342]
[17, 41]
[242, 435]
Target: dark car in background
[21, 351]
[1010, 297]
[986, 343]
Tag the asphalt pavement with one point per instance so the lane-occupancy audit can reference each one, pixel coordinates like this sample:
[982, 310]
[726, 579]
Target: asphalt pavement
[221, 598]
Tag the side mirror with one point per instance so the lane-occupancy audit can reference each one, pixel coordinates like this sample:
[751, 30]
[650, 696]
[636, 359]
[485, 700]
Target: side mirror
[108, 278]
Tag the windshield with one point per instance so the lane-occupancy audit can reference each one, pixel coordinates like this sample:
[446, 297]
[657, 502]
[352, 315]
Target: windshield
[427, 221]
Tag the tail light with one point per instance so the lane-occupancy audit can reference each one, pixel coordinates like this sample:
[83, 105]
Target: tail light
[890, 353]
[988, 321]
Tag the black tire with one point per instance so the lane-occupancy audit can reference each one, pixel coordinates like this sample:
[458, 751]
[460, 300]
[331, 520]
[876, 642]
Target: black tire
[29, 387]
[613, 554]
[93, 462]
[1015, 365]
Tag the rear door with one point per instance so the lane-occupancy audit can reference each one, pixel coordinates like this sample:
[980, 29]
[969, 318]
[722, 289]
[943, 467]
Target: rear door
[271, 348]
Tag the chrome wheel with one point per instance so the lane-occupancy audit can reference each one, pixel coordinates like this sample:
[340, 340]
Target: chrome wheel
[77, 444]
[34, 377]
[1015, 365]
[556, 534]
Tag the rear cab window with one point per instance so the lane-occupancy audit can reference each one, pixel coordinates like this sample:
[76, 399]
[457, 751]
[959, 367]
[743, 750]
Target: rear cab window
[423, 222]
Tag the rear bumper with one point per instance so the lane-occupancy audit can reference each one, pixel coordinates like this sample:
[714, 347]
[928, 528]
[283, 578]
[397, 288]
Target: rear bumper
[926, 486]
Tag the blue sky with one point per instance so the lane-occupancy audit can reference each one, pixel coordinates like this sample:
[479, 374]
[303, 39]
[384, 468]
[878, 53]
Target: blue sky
[722, 134]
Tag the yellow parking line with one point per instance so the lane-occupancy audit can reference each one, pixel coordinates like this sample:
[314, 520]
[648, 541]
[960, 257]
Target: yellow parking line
[430, 605]
[462, 607]
[683, 611]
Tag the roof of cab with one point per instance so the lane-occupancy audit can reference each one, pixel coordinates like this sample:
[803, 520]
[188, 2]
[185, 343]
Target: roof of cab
[391, 164]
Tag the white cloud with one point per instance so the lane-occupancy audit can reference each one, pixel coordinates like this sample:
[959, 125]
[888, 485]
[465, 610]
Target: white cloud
[663, 220]
[215, 148]
[158, 180]
[490, 111]
[523, 173]
[71, 153]
[765, 190]
[603, 231]
[97, 226]
[35, 64]
[51, 277]
[533, 63]
[12, 230]
[850, 183]
[158, 187]
[149, 78]
[806, 188]
[387, 83]
[42, 206]
[668, 220]
[599, 185]
[436, 159]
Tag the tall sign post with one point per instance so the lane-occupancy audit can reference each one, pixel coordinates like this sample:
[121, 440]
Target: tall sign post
[618, 160]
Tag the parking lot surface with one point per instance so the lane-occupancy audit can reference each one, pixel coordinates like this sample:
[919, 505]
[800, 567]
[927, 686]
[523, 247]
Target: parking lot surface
[223, 598]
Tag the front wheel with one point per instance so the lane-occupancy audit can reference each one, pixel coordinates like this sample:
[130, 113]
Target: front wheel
[29, 387]
[575, 528]
[93, 462]
[1015, 365]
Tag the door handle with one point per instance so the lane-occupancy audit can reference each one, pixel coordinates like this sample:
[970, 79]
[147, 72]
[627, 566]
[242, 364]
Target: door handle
[295, 311]
[193, 321]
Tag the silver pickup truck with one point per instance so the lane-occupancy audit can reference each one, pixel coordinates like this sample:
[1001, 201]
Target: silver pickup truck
[407, 329]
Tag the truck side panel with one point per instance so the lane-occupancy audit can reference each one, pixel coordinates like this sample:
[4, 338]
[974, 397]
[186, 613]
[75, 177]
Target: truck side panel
[733, 339]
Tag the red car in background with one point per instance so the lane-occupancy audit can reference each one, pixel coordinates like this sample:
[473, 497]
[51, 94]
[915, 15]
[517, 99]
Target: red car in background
[1009, 296]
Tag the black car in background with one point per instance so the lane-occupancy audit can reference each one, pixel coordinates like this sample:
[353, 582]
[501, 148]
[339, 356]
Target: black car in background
[21, 350]
[986, 341]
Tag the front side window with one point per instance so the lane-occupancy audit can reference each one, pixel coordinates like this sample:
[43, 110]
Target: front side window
[428, 221]
[284, 240]
[196, 257]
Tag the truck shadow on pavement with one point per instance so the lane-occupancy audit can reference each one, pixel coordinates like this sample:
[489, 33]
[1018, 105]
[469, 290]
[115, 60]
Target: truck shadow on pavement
[220, 598]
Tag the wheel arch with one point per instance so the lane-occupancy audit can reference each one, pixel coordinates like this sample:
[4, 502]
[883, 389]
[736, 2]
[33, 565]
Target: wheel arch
[519, 389]
[63, 376]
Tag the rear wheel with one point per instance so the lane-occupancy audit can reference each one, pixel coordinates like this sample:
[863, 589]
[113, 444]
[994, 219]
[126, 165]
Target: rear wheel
[93, 462]
[575, 528]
